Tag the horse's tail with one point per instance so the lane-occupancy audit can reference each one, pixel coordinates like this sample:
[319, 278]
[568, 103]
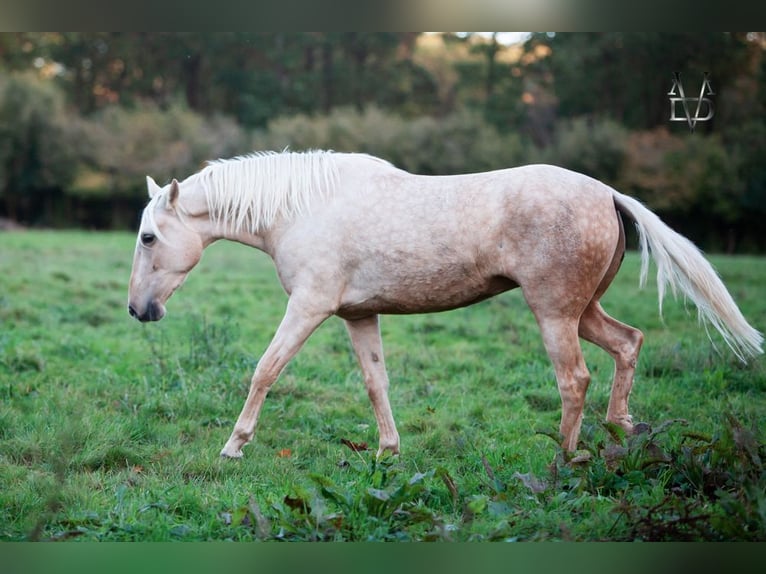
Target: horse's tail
[682, 266]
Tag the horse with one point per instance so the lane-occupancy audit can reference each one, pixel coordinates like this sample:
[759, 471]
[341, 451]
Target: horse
[352, 235]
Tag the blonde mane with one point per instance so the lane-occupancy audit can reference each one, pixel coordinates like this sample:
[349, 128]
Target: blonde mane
[249, 193]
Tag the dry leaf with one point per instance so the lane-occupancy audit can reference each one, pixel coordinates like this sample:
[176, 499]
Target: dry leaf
[355, 446]
[533, 483]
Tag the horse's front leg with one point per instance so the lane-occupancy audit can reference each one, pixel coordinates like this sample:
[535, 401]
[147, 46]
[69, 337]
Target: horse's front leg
[365, 338]
[299, 322]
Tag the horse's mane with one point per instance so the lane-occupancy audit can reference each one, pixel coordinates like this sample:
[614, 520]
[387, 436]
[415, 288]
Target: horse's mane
[249, 193]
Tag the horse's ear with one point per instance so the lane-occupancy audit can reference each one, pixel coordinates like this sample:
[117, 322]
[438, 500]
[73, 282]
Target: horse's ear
[173, 195]
[152, 186]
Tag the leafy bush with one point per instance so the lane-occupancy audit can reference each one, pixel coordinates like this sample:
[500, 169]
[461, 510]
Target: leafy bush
[696, 488]
[695, 181]
[593, 146]
[379, 504]
[645, 173]
[458, 143]
[119, 146]
[704, 168]
[746, 144]
[34, 149]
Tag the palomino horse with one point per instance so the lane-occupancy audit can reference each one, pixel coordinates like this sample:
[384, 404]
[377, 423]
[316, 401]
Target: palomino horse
[351, 235]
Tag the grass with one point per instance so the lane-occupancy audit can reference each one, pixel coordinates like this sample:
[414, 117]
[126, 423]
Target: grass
[110, 430]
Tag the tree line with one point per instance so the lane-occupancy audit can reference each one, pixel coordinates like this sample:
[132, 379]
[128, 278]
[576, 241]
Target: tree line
[84, 116]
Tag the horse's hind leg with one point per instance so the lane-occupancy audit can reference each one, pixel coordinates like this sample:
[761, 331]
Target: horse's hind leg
[563, 346]
[623, 343]
[365, 338]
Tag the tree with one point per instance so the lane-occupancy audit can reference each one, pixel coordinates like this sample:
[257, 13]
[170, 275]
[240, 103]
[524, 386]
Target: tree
[34, 152]
[627, 75]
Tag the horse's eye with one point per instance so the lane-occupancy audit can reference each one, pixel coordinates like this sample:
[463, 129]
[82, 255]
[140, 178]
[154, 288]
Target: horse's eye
[148, 238]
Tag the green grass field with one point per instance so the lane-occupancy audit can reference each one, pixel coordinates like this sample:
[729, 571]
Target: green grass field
[110, 429]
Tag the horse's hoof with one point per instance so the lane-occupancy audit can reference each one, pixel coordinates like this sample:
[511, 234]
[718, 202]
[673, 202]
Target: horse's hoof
[226, 453]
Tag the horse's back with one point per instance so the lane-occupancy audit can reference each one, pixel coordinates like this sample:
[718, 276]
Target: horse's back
[540, 210]
[393, 242]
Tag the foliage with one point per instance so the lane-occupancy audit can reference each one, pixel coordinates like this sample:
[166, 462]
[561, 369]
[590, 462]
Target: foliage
[704, 168]
[249, 76]
[377, 504]
[592, 146]
[709, 191]
[746, 144]
[698, 487]
[126, 144]
[680, 176]
[459, 143]
[34, 150]
[626, 76]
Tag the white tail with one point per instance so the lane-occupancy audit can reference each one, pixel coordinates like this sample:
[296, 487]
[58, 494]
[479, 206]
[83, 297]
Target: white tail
[681, 265]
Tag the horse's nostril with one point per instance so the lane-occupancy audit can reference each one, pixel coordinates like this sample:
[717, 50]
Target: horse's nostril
[132, 311]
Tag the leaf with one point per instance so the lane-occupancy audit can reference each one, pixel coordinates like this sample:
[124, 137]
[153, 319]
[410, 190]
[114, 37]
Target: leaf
[378, 502]
[449, 482]
[664, 426]
[615, 431]
[68, 534]
[533, 483]
[744, 439]
[496, 485]
[555, 436]
[414, 486]
[285, 453]
[641, 428]
[332, 492]
[378, 494]
[355, 446]
[419, 477]
[343, 499]
[238, 517]
[477, 504]
[297, 503]
[581, 457]
[181, 530]
[262, 525]
[695, 435]
[161, 505]
[613, 453]
[498, 508]
[655, 454]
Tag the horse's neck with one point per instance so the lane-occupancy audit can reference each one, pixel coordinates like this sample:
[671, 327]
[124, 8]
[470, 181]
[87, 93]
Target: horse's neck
[259, 241]
[196, 213]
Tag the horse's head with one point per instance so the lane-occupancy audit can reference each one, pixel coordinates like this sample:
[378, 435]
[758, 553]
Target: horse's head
[167, 248]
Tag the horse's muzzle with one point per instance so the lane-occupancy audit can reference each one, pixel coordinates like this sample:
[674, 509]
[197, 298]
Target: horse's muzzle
[154, 312]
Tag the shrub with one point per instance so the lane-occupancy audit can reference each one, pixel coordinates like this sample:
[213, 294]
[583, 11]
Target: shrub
[645, 174]
[34, 151]
[705, 170]
[458, 143]
[119, 146]
[593, 146]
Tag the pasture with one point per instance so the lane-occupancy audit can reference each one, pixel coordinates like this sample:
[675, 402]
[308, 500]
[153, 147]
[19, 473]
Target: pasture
[110, 429]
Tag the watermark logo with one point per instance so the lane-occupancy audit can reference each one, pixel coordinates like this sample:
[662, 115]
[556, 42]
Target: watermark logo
[700, 105]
